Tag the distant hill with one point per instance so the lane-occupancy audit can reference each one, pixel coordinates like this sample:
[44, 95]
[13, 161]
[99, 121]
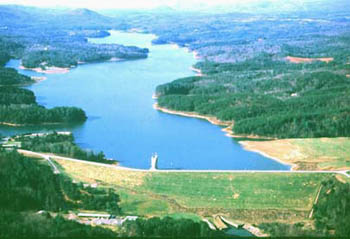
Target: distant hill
[17, 15]
[85, 16]
[22, 16]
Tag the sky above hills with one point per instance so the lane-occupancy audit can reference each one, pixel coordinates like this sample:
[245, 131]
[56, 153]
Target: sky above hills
[122, 4]
[214, 6]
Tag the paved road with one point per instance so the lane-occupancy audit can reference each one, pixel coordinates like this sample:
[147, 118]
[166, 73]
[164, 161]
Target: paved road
[55, 169]
[47, 157]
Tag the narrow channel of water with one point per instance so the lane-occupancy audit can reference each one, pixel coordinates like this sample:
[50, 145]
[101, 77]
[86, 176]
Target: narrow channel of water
[117, 97]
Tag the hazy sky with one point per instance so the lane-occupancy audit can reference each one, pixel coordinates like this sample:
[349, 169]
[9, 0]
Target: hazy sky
[101, 4]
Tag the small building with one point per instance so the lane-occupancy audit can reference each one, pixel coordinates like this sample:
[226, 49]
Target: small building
[130, 218]
[102, 219]
[94, 215]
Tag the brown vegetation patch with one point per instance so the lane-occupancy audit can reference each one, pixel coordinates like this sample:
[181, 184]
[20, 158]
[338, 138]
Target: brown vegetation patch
[92, 174]
[306, 166]
[306, 154]
[340, 178]
[308, 60]
[280, 150]
[257, 216]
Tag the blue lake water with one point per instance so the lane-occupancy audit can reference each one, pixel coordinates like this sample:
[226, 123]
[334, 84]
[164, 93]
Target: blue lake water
[117, 97]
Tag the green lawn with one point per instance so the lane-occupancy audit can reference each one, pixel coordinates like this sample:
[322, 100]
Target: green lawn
[236, 191]
[332, 152]
[250, 197]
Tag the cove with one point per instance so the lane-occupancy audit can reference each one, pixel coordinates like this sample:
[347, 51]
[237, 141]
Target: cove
[117, 98]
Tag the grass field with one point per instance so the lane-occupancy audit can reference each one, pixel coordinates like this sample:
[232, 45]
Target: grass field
[248, 197]
[311, 154]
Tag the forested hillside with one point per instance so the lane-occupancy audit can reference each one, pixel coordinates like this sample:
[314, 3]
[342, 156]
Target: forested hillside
[29, 186]
[280, 99]
[282, 76]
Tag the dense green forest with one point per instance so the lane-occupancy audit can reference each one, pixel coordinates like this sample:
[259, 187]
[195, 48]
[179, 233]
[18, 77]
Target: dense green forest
[9, 76]
[61, 144]
[17, 96]
[29, 185]
[44, 190]
[168, 227]
[34, 114]
[277, 99]
[332, 212]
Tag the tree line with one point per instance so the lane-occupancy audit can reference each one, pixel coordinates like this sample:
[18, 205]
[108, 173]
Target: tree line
[168, 227]
[60, 144]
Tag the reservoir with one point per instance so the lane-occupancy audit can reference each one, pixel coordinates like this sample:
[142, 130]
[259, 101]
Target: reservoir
[117, 98]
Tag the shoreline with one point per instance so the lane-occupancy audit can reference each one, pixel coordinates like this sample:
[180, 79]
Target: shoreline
[115, 59]
[246, 146]
[23, 125]
[48, 70]
[228, 132]
[212, 120]
[38, 79]
[63, 70]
